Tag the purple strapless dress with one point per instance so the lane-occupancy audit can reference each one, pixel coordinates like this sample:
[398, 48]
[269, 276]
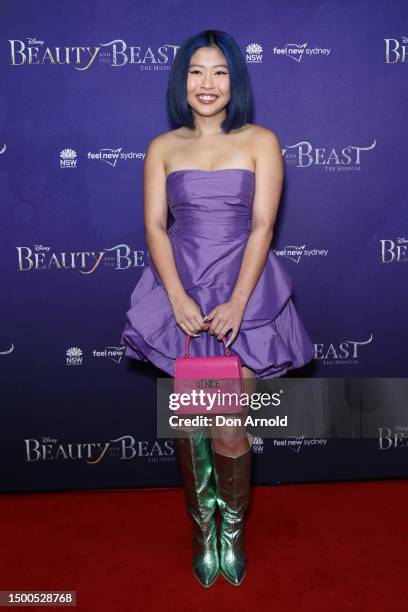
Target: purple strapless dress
[213, 216]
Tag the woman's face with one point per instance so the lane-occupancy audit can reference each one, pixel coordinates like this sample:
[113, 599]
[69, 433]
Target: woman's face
[208, 75]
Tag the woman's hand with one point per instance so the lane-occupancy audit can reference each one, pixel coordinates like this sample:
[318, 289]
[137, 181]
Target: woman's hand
[225, 317]
[187, 314]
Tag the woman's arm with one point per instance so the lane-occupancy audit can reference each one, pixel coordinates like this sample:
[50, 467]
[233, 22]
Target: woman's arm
[269, 181]
[186, 311]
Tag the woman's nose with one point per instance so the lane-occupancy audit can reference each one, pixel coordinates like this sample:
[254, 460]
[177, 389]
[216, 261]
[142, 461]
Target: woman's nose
[207, 80]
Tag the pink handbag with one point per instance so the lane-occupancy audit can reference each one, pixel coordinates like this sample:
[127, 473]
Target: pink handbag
[214, 375]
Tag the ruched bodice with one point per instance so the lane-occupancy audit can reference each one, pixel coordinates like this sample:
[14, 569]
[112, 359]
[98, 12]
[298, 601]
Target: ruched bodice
[212, 200]
[212, 213]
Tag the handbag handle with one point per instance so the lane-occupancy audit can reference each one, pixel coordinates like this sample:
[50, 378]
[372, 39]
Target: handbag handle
[187, 346]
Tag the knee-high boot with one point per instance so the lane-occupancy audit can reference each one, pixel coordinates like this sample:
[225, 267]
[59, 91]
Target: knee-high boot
[232, 477]
[195, 462]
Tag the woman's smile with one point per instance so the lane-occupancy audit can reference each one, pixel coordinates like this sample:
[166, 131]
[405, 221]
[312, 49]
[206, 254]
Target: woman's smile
[207, 98]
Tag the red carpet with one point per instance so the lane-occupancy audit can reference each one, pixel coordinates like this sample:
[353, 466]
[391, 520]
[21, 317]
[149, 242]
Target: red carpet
[329, 547]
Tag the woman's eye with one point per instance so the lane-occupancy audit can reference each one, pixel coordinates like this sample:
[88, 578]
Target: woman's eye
[218, 72]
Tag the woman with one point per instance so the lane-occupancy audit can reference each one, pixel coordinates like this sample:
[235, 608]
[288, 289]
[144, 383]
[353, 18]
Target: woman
[213, 271]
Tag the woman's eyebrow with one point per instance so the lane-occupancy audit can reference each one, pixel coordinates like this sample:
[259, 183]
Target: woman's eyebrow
[215, 66]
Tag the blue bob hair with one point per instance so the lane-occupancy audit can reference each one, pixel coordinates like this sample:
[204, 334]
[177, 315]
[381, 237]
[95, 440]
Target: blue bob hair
[240, 106]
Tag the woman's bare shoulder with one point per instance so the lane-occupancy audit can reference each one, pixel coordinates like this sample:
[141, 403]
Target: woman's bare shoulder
[160, 146]
[164, 139]
[259, 134]
[263, 143]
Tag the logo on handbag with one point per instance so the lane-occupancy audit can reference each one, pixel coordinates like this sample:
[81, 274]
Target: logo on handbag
[207, 382]
[214, 373]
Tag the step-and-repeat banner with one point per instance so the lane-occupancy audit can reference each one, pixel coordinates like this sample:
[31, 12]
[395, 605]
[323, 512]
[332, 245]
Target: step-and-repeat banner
[82, 94]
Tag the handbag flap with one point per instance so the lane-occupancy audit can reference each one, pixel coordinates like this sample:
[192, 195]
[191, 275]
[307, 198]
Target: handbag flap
[209, 367]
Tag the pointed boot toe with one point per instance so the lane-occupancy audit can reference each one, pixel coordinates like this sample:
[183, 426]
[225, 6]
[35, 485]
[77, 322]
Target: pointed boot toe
[195, 462]
[232, 477]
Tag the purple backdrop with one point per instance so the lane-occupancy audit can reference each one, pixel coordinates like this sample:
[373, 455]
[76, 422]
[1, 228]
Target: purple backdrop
[83, 92]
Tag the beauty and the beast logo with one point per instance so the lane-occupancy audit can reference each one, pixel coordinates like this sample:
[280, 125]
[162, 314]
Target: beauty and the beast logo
[41, 257]
[304, 154]
[125, 447]
[396, 52]
[114, 53]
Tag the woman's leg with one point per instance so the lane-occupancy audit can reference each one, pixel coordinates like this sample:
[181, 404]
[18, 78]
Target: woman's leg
[194, 458]
[232, 454]
[233, 440]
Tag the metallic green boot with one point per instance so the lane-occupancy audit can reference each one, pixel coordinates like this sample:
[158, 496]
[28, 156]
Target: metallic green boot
[195, 462]
[232, 477]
